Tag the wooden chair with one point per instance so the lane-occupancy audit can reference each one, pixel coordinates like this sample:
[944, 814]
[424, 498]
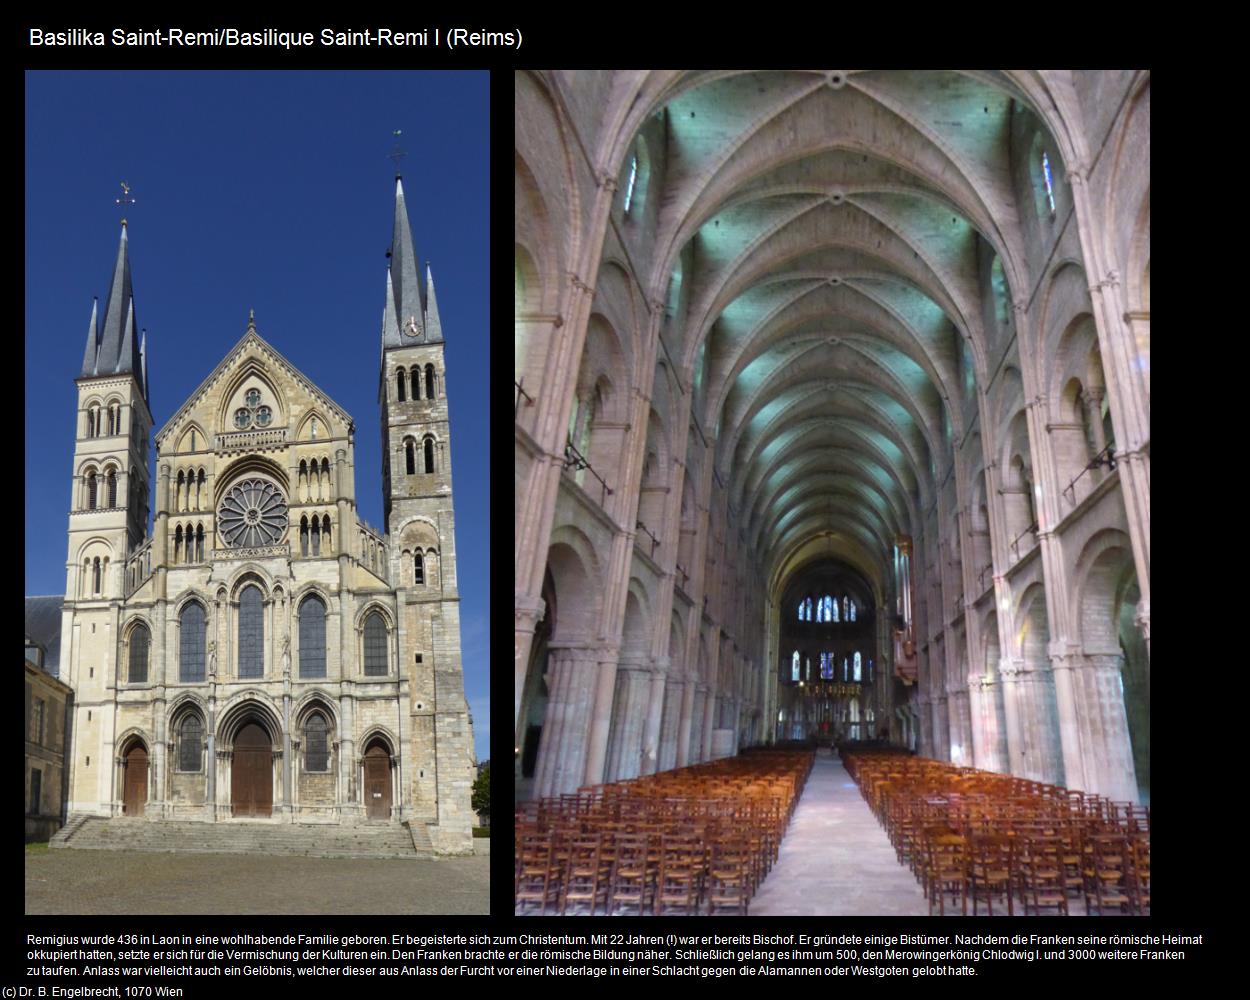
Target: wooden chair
[537, 879]
[992, 870]
[946, 871]
[1041, 875]
[1107, 874]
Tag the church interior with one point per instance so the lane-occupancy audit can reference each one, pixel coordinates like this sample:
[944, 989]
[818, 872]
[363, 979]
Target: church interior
[832, 506]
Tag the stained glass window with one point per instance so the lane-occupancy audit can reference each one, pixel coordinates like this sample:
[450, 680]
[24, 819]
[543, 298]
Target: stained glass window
[1050, 191]
[191, 643]
[251, 633]
[190, 746]
[316, 746]
[629, 185]
[312, 637]
[851, 616]
[139, 655]
[375, 646]
[794, 673]
[858, 668]
[826, 666]
[846, 669]
[831, 609]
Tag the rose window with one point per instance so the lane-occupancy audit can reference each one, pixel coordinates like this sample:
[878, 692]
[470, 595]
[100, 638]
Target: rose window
[252, 514]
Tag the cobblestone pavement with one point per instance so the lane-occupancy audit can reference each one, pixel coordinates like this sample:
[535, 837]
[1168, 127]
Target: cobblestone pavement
[69, 881]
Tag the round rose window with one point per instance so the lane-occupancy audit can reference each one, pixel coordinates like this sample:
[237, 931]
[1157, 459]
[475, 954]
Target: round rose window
[252, 514]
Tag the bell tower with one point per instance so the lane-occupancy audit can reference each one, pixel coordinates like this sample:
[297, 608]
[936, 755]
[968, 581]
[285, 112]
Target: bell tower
[420, 523]
[111, 482]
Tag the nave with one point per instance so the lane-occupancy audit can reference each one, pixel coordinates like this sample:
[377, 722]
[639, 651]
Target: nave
[784, 833]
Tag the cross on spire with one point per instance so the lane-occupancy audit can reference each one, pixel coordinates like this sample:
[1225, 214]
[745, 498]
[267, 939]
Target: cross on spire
[124, 200]
[397, 153]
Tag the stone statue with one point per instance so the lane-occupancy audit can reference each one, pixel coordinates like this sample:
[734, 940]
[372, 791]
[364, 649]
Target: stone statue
[286, 656]
[212, 658]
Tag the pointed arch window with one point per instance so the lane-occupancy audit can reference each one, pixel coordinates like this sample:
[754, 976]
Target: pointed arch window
[178, 544]
[851, 617]
[375, 646]
[312, 637]
[858, 674]
[846, 669]
[629, 184]
[429, 382]
[303, 536]
[199, 543]
[399, 382]
[418, 569]
[846, 609]
[139, 642]
[805, 609]
[191, 744]
[191, 643]
[826, 666]
[794, 666]
[429, 454]
[251, 633]
[1050, 189]
[316, 744]
[316, 536]
[325, 533]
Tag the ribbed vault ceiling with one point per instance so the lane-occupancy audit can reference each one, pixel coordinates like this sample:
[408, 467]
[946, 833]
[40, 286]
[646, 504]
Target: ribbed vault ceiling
[831, 223]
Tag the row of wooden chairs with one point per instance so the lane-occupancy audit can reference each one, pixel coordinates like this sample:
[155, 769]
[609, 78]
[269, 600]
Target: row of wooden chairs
[696, 840]
[997, 839]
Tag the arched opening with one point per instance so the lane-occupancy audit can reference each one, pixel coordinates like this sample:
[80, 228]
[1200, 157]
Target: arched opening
[429, 454]
[135, 778]
[377, 780]
[251, 772]
[429, 382]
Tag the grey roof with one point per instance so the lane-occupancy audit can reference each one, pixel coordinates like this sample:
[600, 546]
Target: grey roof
[93, 343]
[433, 325]
[118, 344]
[43, 625]
[405, 298]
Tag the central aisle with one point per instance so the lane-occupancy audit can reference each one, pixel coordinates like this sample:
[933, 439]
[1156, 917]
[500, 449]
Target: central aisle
[835, 859]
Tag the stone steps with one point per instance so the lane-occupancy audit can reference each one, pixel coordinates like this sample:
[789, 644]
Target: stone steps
[382, 840]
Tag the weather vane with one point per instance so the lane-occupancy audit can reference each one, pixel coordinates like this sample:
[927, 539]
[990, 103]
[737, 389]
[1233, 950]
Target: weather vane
[397, 153]
[125, 199]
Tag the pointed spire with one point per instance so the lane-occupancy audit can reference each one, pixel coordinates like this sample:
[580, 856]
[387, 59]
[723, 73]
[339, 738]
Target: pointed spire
[93, 338]
[403, 288]
[390, 321]
[128, 358]
[433, 326]
[143, 363]
[119, 312]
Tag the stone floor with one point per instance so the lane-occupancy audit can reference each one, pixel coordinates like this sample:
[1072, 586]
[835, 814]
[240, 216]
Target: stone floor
[69, 881]
[835, 859]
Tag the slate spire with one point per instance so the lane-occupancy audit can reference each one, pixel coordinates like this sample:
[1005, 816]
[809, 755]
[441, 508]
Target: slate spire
[118, 319]
[433, 325]
[143, 363]
[93, 343]
[405, 303]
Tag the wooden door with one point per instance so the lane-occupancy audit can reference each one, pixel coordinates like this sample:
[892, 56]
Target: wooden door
[136, 783]
[251, 773]
[377, 783]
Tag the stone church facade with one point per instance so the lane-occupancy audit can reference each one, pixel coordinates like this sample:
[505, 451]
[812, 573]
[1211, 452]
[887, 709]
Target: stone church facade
[263, 652]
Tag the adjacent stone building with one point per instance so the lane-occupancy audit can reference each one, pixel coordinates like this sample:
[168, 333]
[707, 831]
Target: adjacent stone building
[261, 651]
[47, 704]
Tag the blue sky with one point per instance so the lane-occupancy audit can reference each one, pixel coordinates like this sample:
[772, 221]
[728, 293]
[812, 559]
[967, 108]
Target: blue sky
[269, 191]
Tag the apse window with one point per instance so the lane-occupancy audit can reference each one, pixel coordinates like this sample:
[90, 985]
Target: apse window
[1050, 189]
[629, 185]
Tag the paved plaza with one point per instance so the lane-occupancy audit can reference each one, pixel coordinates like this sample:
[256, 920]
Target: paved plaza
[70, 881]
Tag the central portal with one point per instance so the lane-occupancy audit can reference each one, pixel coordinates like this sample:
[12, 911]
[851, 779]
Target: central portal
[251, 782]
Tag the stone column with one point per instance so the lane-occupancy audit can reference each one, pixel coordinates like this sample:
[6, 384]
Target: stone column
[1109, 767]
[1069, 697]
[686, 724]
[565, 740]
[633, 688]
[600, 722]
[529, 612]
[709, 715]
[1009, 671]
[924, 720]
[651, 732]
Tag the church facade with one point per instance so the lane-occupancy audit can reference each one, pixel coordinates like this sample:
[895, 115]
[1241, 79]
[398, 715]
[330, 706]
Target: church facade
[261, 651]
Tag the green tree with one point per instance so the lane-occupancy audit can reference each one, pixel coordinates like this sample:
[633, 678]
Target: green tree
[481, 791]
